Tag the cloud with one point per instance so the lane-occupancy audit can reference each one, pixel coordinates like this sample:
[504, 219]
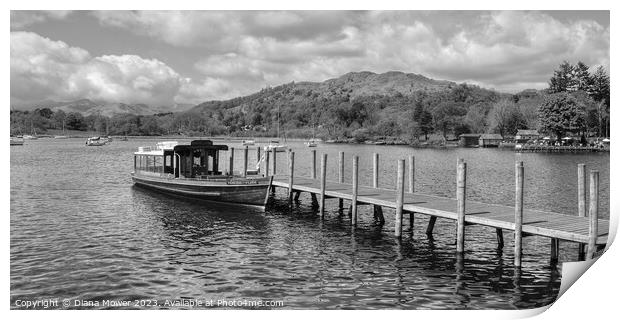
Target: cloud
[23, 19]
[244, 51]
[507, 50]
[45, 69]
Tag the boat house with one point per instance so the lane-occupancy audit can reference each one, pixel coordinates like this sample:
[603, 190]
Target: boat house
[526, 135]
[490, 140]
[469, 139]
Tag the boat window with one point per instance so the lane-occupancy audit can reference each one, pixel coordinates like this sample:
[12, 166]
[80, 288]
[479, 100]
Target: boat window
[158, 164]
[168, 160]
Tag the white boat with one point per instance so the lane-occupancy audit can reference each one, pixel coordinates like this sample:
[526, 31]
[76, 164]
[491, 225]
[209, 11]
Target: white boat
[193, 171]
[312, 143]
[248, 142]
[15, 141]
[96, 141]
[275, 145]
[61, 137]
[29, 137]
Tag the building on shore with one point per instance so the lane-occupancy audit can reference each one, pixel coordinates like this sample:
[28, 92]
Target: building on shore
[469, 139]
[526, 135]
[490, 140]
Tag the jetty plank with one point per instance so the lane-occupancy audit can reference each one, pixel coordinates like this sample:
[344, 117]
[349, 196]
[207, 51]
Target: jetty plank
[542, 223]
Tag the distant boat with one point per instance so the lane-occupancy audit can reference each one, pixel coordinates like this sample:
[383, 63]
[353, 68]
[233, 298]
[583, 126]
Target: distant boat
[61, 137]
[312, 143]
[192, 171]
[248, 142]
[15, 141]
[29, 137]
[274, 145]
[124, 138]
[96, 141]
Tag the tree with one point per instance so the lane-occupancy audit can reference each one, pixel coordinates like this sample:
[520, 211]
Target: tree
[561, 112]
[582, 80]
[563, 79]
[499, 116]
[75, 121]
[600, 94]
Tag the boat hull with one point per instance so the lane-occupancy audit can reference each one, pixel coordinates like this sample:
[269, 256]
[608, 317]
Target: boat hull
[240, 191]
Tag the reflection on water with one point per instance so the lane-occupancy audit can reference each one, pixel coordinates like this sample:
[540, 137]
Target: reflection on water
[80, 230]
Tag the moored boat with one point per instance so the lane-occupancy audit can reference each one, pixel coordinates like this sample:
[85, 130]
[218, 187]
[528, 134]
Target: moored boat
[193, 171]
[248, 142]
[275, 145]
[312, 143]
[96, 141]
[15, 141]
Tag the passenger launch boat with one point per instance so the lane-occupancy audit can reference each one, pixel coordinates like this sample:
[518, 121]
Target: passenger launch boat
[193, 171]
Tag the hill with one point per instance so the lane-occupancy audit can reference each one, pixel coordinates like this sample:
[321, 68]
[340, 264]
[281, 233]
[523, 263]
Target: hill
[105, 108]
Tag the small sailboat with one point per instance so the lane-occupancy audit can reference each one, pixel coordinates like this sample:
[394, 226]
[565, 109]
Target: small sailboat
[275, 145]
[64, 134]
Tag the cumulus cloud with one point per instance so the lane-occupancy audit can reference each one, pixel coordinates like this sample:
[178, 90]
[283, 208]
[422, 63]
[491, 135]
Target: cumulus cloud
[243, 51]
[507, 50]
[46, 69]
[22, 19]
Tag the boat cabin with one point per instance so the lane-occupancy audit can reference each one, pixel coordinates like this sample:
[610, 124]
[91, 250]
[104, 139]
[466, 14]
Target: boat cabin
[199, 159]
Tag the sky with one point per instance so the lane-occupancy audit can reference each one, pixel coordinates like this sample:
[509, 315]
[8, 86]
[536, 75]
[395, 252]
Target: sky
[169, 57]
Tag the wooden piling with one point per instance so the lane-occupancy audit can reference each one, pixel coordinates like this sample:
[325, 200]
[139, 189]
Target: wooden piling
[341, 177]
[411, 174]
[431, 225]
[313, 168]
[291, 168]
[375, 170]
[461, 182]
[518, 212]
[499, 233]
[231, 161]
[267, 163]
[593, 213]
[245, 161]
[581, 199]
[257, 155]
[354, 182]
[275, 170]
[377, 210]
[400, 189]
[555, 250]
[323, 179]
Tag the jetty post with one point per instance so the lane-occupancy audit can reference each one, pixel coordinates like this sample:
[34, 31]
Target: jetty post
[341, 177]
[275, 171]
[245, 161]
[581, 197]
[593, 213]
[231, 161]
[323, 178]
[291, 167]
[267, 163]
[461, 182]
[354, 180]
[313, 168]
[411, 187]
[377, 209]
[411, 174]
[518, 212]
[400, 190]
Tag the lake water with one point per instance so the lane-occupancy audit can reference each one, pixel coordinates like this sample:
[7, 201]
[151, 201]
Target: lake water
[81, 230]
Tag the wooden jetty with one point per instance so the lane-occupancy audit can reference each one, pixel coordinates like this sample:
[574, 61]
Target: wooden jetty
[547, 148]
[589, 232]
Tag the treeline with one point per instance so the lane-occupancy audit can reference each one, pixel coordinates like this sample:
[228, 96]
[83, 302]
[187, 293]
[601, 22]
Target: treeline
[42, 119]
[576, 101]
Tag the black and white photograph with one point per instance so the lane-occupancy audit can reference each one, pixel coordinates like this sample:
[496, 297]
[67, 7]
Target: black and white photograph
[306, 159]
